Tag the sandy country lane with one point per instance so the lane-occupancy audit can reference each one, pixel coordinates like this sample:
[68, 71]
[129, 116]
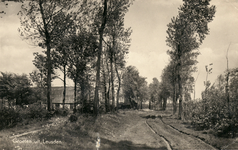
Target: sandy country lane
[176, 139]
[138, 137]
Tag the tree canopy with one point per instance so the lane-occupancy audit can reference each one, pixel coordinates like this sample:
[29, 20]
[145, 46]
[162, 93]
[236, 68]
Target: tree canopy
[185, 34]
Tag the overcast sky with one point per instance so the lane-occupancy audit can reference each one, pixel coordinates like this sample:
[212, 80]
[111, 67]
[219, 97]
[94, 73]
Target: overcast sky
[148, 19]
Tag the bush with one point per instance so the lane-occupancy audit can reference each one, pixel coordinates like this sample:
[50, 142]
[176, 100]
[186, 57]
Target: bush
[227, 126]
[213, 111]
[61, 111]
[214, 114]
[36, 111]
[9, 117]
[73, 118]
[87, 108]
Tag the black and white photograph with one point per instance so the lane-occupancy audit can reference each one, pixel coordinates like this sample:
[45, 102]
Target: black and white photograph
[118, 74]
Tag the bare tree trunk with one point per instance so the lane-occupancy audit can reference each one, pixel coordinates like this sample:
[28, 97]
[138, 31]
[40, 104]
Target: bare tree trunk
[174, 102]
[149, 104]
[75, 94]
[180, 99]
[105, 88]
[118, 94]
[180, 107]
[179, 83]
[82, 86]
[174, 90]
[49, 102]
[109, 87]
[161, 103]
[64, 92]
[164, 103]
[96, 98]
[119, 85]
[49, 65]
[101, 29]
[112, 80]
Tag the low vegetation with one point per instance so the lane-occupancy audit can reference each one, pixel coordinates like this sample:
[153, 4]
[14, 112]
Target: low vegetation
[77, 134]
[10, 117]
[214, 111]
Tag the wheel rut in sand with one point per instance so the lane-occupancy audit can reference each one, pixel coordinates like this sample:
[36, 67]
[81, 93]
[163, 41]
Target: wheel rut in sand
[140, 135]
[174, 138]
[164, 139]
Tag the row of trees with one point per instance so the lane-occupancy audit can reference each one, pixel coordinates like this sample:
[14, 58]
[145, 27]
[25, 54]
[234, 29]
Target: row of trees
[185, 34]
[86, 40]
[217, 110]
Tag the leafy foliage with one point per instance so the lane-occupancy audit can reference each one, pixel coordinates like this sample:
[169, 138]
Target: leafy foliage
[185, 34]
[133, 85]
[9, 117]
[15, 87]
[217, 116]
[73, 118]
[43, 23]
[72, 34]
[61, 111]
[154, 91]
[34, 111]
[40, 62]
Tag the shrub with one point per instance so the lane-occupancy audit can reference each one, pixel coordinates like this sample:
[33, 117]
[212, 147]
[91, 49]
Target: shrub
[86, 108]
[9, 117]
[213, 111]
[73, 118]
[36, 111]
[214, 114]
[61, 111]
[227, 126]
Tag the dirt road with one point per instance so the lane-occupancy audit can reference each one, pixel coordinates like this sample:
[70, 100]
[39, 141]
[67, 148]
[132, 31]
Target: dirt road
[147, 133]
[139, 136]
[127, 130]
[176, 139]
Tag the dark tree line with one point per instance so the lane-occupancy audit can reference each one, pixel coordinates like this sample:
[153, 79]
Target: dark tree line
[79, 38]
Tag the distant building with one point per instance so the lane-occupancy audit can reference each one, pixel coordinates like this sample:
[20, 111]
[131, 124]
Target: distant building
[57, 97]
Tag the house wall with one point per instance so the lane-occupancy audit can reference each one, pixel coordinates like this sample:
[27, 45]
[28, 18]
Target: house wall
[57, 95]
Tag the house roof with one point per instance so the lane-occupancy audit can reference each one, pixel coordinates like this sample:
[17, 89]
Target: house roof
[57, 94]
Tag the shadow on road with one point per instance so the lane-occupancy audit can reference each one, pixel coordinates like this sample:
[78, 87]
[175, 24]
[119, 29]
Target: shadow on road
[125, 145]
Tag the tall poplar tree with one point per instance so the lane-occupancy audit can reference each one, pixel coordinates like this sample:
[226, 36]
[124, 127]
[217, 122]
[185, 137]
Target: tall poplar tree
[186, 33]
[100, 31]
[109, 11]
